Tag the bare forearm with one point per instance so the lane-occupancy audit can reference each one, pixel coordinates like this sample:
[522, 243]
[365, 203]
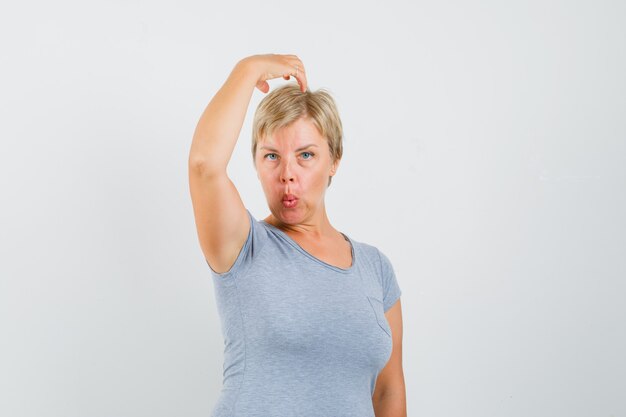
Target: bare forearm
[390, 404]
[219, 126]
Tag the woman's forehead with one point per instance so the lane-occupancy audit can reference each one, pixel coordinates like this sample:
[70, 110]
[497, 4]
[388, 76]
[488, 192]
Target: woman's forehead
[272, 147]
[295, 139]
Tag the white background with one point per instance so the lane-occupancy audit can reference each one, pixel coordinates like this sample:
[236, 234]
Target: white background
[485, 150]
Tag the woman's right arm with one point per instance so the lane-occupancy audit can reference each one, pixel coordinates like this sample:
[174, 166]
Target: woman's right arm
[220, 215]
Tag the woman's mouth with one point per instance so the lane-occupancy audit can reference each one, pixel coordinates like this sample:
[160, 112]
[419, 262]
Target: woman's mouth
[290, 203]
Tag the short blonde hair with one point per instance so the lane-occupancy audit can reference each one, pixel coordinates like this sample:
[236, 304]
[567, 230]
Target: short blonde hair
[286, 104]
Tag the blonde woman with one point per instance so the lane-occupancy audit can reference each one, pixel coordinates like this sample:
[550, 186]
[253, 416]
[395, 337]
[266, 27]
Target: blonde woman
[311, 318]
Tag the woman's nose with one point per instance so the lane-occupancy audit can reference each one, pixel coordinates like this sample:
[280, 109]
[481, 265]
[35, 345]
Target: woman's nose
[286, 173]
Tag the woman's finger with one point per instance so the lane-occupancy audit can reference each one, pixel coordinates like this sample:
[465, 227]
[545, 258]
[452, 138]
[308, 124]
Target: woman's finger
[272, 66]
[263, 86]
[300, 75]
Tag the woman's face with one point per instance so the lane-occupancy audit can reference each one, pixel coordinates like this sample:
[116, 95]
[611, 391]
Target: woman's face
[294, 163]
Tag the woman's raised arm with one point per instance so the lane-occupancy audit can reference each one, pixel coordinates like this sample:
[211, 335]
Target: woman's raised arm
[221, 218]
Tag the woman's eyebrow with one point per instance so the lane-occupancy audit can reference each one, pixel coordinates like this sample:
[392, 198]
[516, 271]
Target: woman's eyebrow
[299, 149]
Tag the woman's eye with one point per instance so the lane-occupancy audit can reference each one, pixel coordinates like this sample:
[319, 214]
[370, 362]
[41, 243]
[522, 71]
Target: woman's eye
[273, 155]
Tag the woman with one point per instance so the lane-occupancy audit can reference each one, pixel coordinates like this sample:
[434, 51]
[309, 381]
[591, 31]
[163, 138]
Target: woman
[311, 318]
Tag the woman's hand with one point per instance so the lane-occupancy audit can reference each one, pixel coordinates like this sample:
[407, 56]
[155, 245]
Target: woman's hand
[270, 66]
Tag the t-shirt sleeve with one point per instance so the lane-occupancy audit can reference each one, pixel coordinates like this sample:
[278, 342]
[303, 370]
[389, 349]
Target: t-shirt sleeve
[391, 289]
[252, 245]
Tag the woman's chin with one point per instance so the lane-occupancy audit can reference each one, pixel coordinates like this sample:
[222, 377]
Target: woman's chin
[289, 215]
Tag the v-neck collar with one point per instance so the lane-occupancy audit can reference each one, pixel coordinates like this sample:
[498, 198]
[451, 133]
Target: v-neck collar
[301, 249]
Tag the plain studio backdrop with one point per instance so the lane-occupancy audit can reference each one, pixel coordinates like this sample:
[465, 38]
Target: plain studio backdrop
[485, 154]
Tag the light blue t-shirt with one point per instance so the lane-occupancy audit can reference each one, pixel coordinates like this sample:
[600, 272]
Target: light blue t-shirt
[302, 338]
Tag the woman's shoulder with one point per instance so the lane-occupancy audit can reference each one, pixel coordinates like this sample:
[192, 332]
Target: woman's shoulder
[370, 253]
[253, 245]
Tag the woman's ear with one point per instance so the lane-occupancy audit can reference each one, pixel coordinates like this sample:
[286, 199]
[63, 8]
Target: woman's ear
[334, 166]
